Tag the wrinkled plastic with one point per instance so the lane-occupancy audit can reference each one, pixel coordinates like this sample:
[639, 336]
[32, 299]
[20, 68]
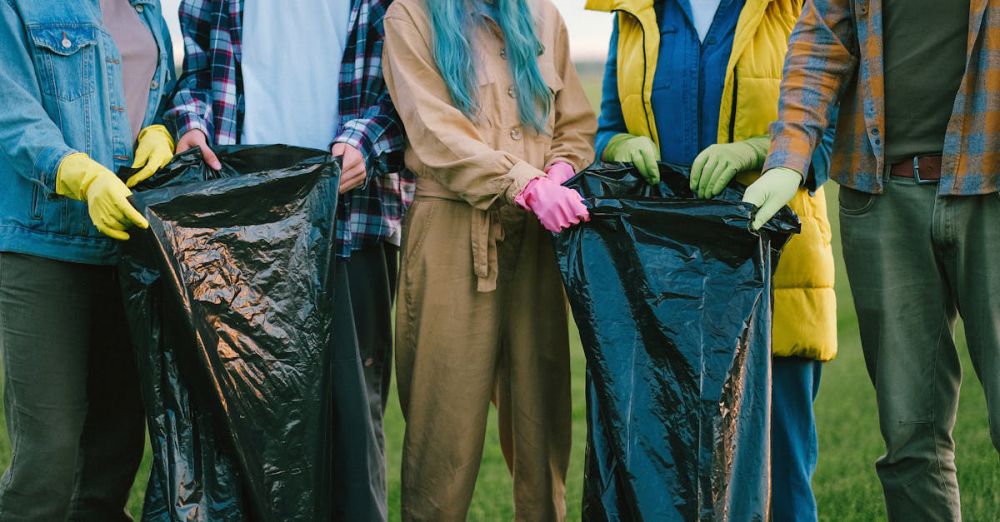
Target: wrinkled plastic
[672, 298]
[229, 297]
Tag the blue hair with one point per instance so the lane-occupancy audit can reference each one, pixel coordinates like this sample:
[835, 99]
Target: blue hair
[453, 22]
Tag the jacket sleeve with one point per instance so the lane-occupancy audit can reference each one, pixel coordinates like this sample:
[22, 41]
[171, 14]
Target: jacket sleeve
[377, 133]
[575, 124]
[30, 142]
[445, 142]
[822, 57]
[611, 121]
[191, 105]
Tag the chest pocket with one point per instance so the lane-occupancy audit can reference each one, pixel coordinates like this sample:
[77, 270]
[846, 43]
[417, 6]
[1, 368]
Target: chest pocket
[64, 58]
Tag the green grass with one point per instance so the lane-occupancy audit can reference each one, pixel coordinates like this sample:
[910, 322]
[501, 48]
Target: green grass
[846, 485]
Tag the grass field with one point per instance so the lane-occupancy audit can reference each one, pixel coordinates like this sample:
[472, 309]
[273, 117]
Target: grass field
[845, 482]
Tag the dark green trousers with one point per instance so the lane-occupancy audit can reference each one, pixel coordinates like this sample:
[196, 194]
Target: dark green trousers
[916, 261]
[71, 394]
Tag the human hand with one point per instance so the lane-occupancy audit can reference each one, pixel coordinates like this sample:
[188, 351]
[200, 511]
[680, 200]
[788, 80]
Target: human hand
[352, 170]
[771, 193]
[196, 138]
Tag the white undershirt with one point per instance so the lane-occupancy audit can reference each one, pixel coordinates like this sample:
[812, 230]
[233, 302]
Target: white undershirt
[292, 52]
[703, 12]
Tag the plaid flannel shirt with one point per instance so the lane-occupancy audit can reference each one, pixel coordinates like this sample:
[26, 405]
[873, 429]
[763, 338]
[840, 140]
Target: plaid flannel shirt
[835, 55]
[209, 97]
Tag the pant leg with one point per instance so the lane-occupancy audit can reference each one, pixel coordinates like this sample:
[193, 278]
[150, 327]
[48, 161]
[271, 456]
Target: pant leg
[364, 331]
[794, 447]
[114, 432]
[533, 381]
[906, 316]
[447, 344]
[44, 326]
[358, 470]
[973, 224]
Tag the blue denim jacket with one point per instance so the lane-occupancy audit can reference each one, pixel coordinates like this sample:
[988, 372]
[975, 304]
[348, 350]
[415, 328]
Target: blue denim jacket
[61, 92]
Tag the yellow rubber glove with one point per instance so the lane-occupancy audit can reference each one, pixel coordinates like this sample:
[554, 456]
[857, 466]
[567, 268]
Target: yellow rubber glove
[84, 179]
[717, 165]
[155, 149]
[638, 150]
[771, 193]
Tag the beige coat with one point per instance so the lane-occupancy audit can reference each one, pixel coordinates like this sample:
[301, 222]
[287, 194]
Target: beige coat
[490, 160]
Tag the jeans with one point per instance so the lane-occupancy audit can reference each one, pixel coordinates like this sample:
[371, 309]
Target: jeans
[794, 449]
[71, 392]
[915, 261]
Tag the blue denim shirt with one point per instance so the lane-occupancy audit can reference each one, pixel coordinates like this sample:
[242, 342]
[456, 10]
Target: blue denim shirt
[687, 86]
[62, 92]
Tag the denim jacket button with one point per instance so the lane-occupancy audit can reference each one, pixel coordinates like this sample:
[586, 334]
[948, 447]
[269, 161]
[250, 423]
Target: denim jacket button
[154, 85]
[66, 43]
[138, 9]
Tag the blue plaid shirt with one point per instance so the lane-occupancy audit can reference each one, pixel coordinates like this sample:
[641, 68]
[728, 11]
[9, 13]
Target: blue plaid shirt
[209, 98]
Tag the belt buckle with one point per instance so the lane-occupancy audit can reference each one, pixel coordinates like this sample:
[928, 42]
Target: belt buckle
[916, 173]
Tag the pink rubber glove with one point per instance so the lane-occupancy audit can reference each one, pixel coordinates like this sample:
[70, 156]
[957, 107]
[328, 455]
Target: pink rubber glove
[560, 171]
[556, 206]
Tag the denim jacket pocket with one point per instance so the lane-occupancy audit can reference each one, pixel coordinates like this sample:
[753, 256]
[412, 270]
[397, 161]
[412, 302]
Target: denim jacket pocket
[65, 54]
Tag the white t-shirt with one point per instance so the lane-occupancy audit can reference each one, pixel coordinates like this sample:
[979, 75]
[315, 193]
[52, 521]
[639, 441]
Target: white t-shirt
[703, 12]
[292, 52]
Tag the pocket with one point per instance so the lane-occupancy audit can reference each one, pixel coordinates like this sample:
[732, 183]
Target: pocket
[854, 202]
[417, 223]
[64, 58]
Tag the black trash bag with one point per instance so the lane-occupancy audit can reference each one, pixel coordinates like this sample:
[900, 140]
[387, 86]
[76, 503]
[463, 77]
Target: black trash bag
[672, 297]
[229, 299]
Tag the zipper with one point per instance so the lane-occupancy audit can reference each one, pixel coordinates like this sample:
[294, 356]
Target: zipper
[732, 113]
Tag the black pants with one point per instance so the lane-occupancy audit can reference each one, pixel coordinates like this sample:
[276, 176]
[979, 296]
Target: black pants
[71, 393]
[365, 287]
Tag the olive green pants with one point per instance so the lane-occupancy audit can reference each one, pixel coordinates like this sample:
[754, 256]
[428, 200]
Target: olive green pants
[915, 261]
[71, 392]
[457, 349]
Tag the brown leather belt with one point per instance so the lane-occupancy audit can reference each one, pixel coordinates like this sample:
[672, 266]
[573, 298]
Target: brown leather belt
[924, 169]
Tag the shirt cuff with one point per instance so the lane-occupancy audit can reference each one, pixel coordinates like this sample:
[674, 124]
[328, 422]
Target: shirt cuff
[520, 175]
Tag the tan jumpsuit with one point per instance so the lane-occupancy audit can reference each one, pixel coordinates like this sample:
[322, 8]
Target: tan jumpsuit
[480, 312]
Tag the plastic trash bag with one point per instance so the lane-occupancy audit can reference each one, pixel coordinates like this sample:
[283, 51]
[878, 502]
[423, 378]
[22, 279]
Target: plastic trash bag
[672, 297]
[229, 298]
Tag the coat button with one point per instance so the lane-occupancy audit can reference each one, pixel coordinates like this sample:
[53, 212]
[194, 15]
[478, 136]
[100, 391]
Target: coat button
[138, 8]
[515, 134]
[154, 85]
[510, 91]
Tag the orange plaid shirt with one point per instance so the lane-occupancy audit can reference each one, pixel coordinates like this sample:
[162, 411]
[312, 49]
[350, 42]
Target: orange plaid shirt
[835, 57]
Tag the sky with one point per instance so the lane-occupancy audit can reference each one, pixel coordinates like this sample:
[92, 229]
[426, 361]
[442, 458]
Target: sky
[588, 31]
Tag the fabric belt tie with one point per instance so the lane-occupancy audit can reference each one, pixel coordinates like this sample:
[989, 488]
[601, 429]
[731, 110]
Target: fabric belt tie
[487, 232]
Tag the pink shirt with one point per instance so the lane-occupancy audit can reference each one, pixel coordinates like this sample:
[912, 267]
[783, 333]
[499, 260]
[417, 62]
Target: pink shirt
[140, 56]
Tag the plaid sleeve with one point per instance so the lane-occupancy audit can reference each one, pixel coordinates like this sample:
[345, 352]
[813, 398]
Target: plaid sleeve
[822, 55]
[377, 131]
[191, 105]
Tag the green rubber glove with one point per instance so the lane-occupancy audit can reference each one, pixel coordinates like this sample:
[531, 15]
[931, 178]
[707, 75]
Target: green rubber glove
[771, 193]
[154, 150]
[717, 165]
[638, 150]
[84, 179]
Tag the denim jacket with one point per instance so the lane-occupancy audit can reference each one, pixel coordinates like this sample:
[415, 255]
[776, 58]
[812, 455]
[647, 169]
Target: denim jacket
[61, 92]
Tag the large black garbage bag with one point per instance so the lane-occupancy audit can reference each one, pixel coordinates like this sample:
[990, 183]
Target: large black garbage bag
[229, 297]
[672, 297]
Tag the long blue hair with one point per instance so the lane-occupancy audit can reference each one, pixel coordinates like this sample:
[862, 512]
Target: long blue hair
[453, 23]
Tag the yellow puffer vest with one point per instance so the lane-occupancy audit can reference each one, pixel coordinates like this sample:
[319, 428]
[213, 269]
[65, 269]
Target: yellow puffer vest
[805, 306]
